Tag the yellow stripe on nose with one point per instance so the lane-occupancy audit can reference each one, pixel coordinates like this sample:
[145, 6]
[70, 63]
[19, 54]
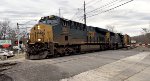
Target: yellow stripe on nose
[42, 32]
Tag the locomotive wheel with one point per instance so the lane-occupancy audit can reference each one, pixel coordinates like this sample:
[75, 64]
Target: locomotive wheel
[43, 55]
[26, 56]
[34, 57]
[31, 57]
[40, 56]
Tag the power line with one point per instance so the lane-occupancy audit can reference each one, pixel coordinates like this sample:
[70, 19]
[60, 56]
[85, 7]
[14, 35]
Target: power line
[96, 2]
[97, 11]
[110, 3]
[93, 5]
[110, 9]
[107, 5]
[90, 2]
[103, 9]
[77, 13]
[80, 10]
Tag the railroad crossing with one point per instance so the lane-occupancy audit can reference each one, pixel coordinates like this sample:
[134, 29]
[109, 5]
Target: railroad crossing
[112, 65]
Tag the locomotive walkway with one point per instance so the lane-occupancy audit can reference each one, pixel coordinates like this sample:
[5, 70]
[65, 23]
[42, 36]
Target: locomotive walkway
[111, 65]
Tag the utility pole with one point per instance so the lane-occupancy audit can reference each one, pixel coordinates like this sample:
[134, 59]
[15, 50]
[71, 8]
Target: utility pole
[149, 25]
[84, 14]
[18, 36]
[59, 13]
[4, 33]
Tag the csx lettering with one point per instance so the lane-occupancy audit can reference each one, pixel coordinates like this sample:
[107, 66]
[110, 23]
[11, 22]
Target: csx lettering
[40, 32]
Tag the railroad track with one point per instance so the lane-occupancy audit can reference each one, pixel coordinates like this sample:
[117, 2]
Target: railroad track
[47, 61]
[6, 66]
[54, 61]
[59, 60]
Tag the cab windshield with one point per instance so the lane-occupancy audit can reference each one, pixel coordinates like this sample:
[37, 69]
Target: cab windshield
[51, 20]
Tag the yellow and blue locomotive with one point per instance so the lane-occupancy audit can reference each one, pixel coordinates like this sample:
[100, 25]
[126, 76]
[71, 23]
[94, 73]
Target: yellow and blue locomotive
[54, 36]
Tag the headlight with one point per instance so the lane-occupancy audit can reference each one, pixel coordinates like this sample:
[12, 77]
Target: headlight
[29, 36]
[39, 39]
[39, 27]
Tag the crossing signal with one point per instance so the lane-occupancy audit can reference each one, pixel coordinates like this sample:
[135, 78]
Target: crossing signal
[20, 42]
[16, 42]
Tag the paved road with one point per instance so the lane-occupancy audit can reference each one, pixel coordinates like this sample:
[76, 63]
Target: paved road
[125, 69]
[56, 69]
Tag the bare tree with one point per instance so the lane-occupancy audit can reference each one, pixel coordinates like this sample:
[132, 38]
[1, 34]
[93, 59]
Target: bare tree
[146, 34]
[146, 30]
[111, 28]
[5, 30]
[145, 37]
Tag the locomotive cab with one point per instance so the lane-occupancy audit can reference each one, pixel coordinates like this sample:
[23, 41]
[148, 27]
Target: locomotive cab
[41, 33]
[49, 20]
[40, 39]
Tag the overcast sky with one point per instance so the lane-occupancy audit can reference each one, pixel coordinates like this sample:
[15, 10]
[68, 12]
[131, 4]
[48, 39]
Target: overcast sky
[129, 18]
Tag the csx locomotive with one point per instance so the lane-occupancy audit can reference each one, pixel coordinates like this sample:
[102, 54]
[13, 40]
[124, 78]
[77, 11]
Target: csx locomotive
[54, 36]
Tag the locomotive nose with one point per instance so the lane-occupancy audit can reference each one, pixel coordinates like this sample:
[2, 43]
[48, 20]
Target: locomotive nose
[41, 33]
